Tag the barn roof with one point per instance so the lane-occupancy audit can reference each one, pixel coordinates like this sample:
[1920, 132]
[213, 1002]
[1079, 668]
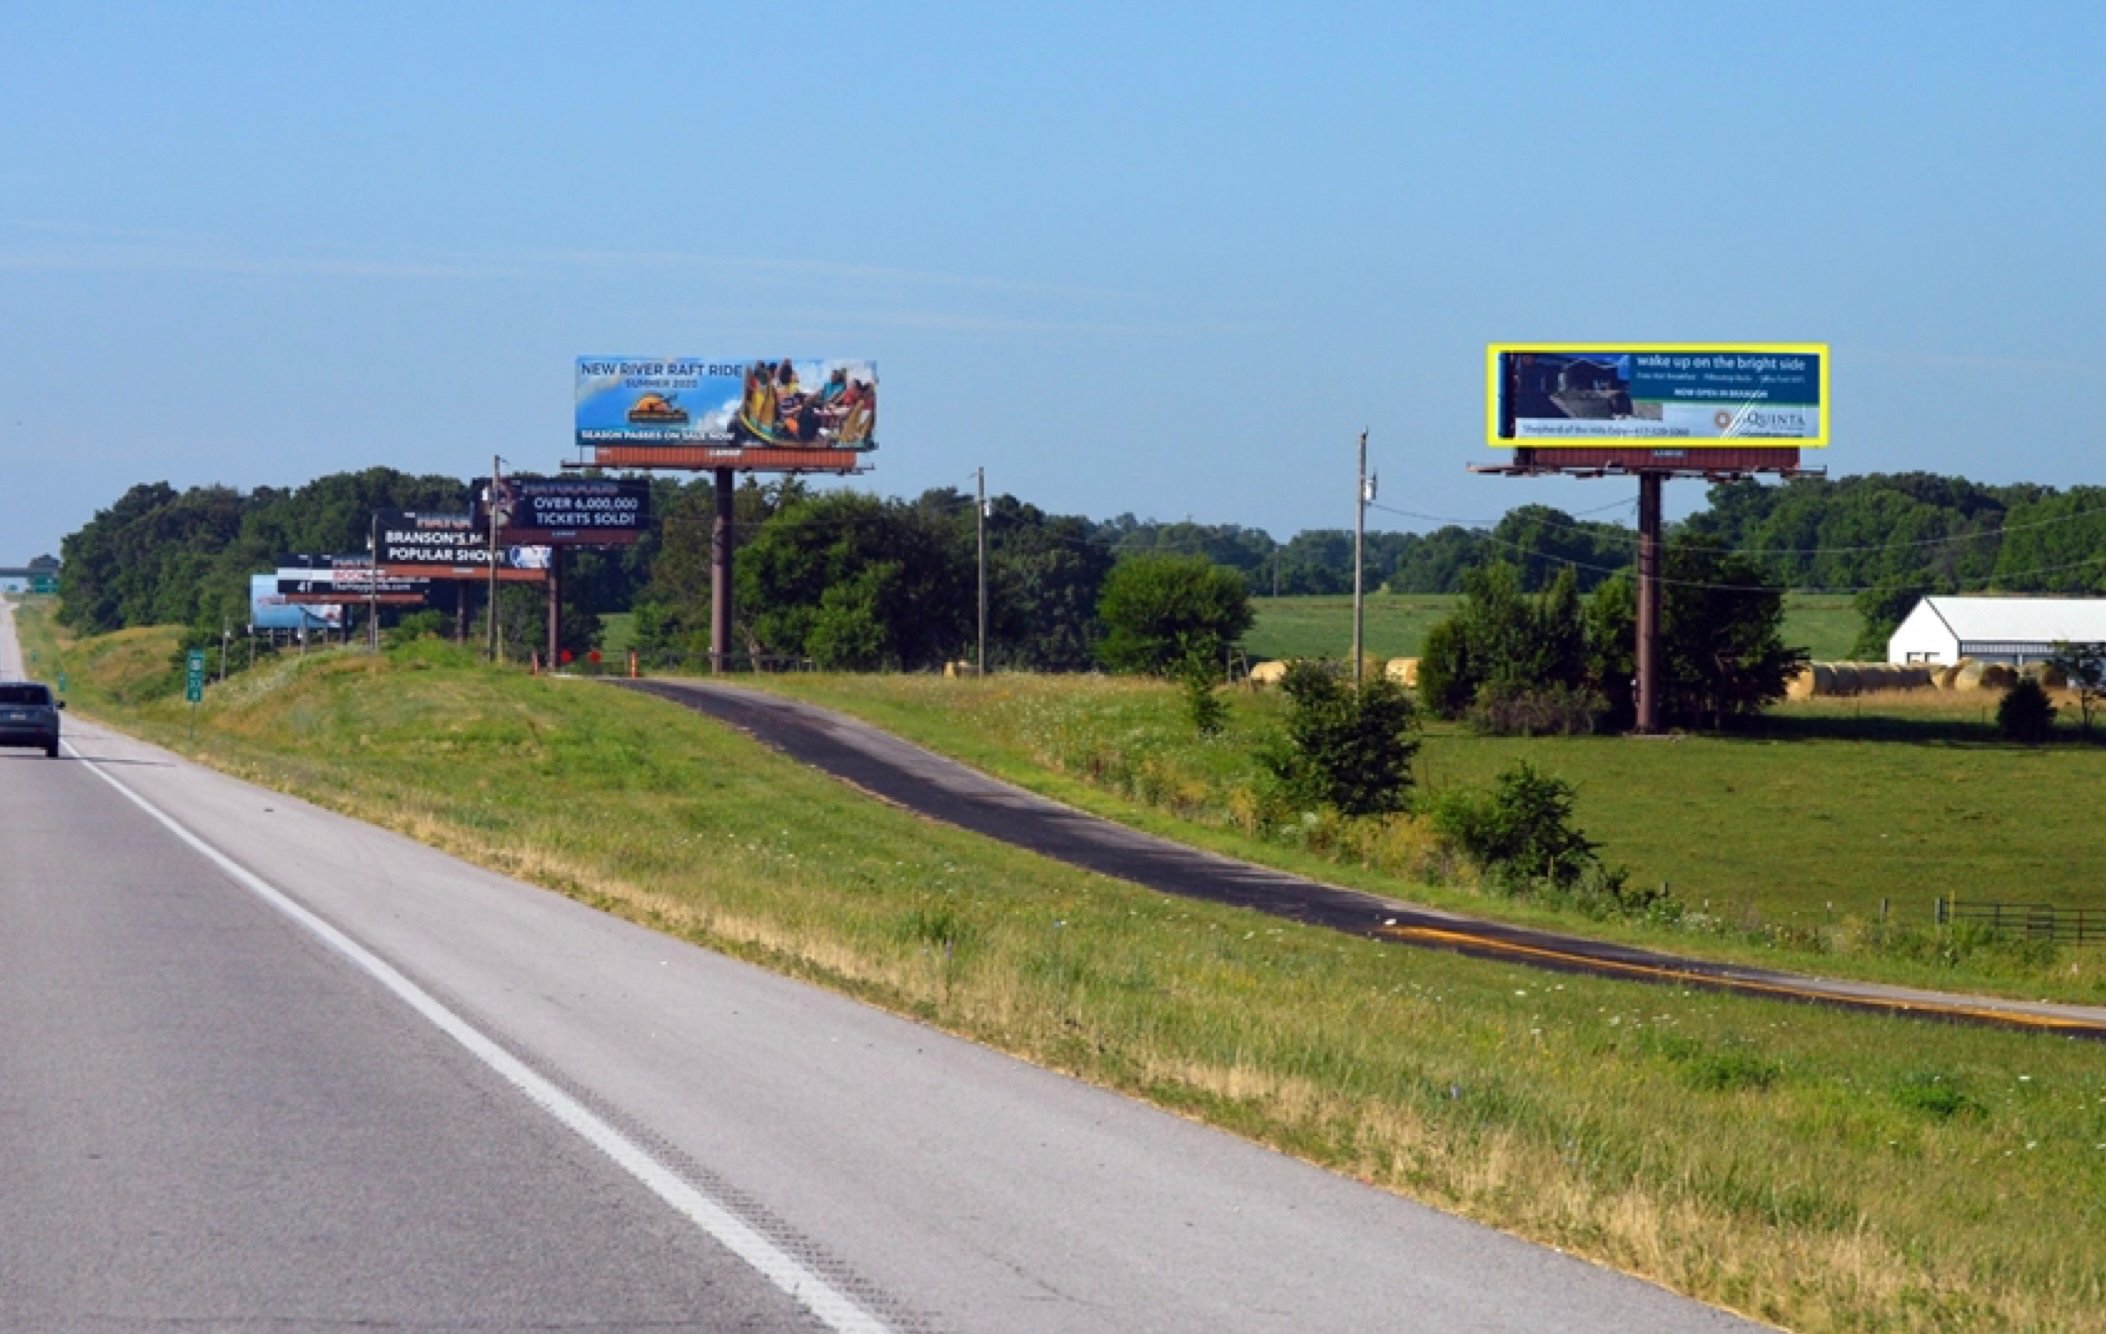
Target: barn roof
[2022, 620]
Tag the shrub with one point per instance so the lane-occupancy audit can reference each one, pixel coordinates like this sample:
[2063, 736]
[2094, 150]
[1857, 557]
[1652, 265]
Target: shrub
[2025, 715]
[1508, 709]
[415, 626]
[1347, 747]
[1521, 831]
[1206, 710]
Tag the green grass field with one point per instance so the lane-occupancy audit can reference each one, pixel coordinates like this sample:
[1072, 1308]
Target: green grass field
[1816, 1169]
[1395, 625]
[1821, 843]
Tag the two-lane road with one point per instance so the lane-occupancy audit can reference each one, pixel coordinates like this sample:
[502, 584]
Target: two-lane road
[264, 1066]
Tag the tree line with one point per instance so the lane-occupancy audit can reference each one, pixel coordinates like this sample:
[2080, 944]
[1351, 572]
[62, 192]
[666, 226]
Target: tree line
[853, 580]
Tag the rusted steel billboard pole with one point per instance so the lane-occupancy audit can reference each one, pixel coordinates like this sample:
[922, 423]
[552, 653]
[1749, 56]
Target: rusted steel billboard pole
[723, 539]
[1649, 492]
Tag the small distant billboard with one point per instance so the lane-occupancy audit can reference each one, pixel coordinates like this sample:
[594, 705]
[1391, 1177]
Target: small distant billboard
[271, 610]
[322, 579]
[566, 511]
[755, 413]
[1689, 395]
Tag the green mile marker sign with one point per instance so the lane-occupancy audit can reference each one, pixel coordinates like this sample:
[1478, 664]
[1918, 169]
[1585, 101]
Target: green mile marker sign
[194, 683]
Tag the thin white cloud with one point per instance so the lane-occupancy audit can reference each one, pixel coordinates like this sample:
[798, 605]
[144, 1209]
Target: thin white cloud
[1978, 362]
[183, 259]
[872, 273]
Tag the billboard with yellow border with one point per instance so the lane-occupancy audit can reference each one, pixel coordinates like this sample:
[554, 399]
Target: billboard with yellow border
[1691, 395]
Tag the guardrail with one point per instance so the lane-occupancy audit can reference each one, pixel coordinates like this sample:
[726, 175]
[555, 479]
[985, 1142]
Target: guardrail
[2034, 921]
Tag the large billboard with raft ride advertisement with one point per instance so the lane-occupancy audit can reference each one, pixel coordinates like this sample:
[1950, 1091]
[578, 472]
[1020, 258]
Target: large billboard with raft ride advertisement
[1690, 395]
[756, 404]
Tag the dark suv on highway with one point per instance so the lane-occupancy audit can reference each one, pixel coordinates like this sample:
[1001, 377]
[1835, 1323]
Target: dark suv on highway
[29, 716]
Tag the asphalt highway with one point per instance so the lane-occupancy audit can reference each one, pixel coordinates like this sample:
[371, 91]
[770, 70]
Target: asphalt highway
[907, 775]
[265, 1067]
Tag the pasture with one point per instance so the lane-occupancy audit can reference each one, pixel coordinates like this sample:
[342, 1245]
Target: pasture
[1395, 625]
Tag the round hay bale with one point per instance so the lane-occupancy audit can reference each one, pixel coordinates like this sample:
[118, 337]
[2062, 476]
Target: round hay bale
[1996, 676]
[1948, 676]
[1800, 685]
[1847, 681]
[1967, 673]
[2046, 673]
[1404, 671]
[1268, 673]
[1915, 676]
[1873, 676]
[1823, 678]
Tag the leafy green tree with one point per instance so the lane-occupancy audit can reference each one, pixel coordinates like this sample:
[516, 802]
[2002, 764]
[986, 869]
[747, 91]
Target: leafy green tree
[1724, 636]
[1437, 562]
[860, 581]
[1722, 651]
[1045, 576]
[1611, 648]
[670, 568]
[1547, 543]
[1248, 550]
[2084, 666]
[1502, 639]
[1347, 747]
[1881, 610]
[1448, 675]
[1159, 611]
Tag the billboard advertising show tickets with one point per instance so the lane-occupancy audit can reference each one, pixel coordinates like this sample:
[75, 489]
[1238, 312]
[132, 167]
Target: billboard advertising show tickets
[440, 546]
[561, 511]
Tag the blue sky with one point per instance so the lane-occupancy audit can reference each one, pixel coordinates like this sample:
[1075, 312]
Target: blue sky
[1162, 259]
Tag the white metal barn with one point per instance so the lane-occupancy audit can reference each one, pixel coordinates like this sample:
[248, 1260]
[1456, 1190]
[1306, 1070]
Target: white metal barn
[2014, 631]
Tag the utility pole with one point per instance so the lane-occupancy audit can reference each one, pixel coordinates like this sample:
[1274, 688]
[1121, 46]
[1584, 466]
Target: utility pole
[980, 521]
[1362, 493]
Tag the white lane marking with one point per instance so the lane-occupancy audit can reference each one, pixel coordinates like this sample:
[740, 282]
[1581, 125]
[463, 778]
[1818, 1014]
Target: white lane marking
[835, 1308]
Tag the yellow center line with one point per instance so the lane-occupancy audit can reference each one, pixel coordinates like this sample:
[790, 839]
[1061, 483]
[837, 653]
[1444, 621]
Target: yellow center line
[1438, 936]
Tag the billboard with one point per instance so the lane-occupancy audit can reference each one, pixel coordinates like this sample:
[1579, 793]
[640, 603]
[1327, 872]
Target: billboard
[754, 404]
[451, 546]
[563, 511]
[1690, 395]
[269, 609]
[317, 578]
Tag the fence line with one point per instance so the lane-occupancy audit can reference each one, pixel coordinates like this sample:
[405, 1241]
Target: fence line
[2034, 921]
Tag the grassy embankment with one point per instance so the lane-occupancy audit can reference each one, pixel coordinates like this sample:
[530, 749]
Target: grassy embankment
[1395, 625]
[1820, 843]
[1818, 1169]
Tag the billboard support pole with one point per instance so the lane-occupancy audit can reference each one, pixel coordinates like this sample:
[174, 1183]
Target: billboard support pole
[373, 580]
[1650, 485]
[721, 545]
[555, 605]
[496, 463]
